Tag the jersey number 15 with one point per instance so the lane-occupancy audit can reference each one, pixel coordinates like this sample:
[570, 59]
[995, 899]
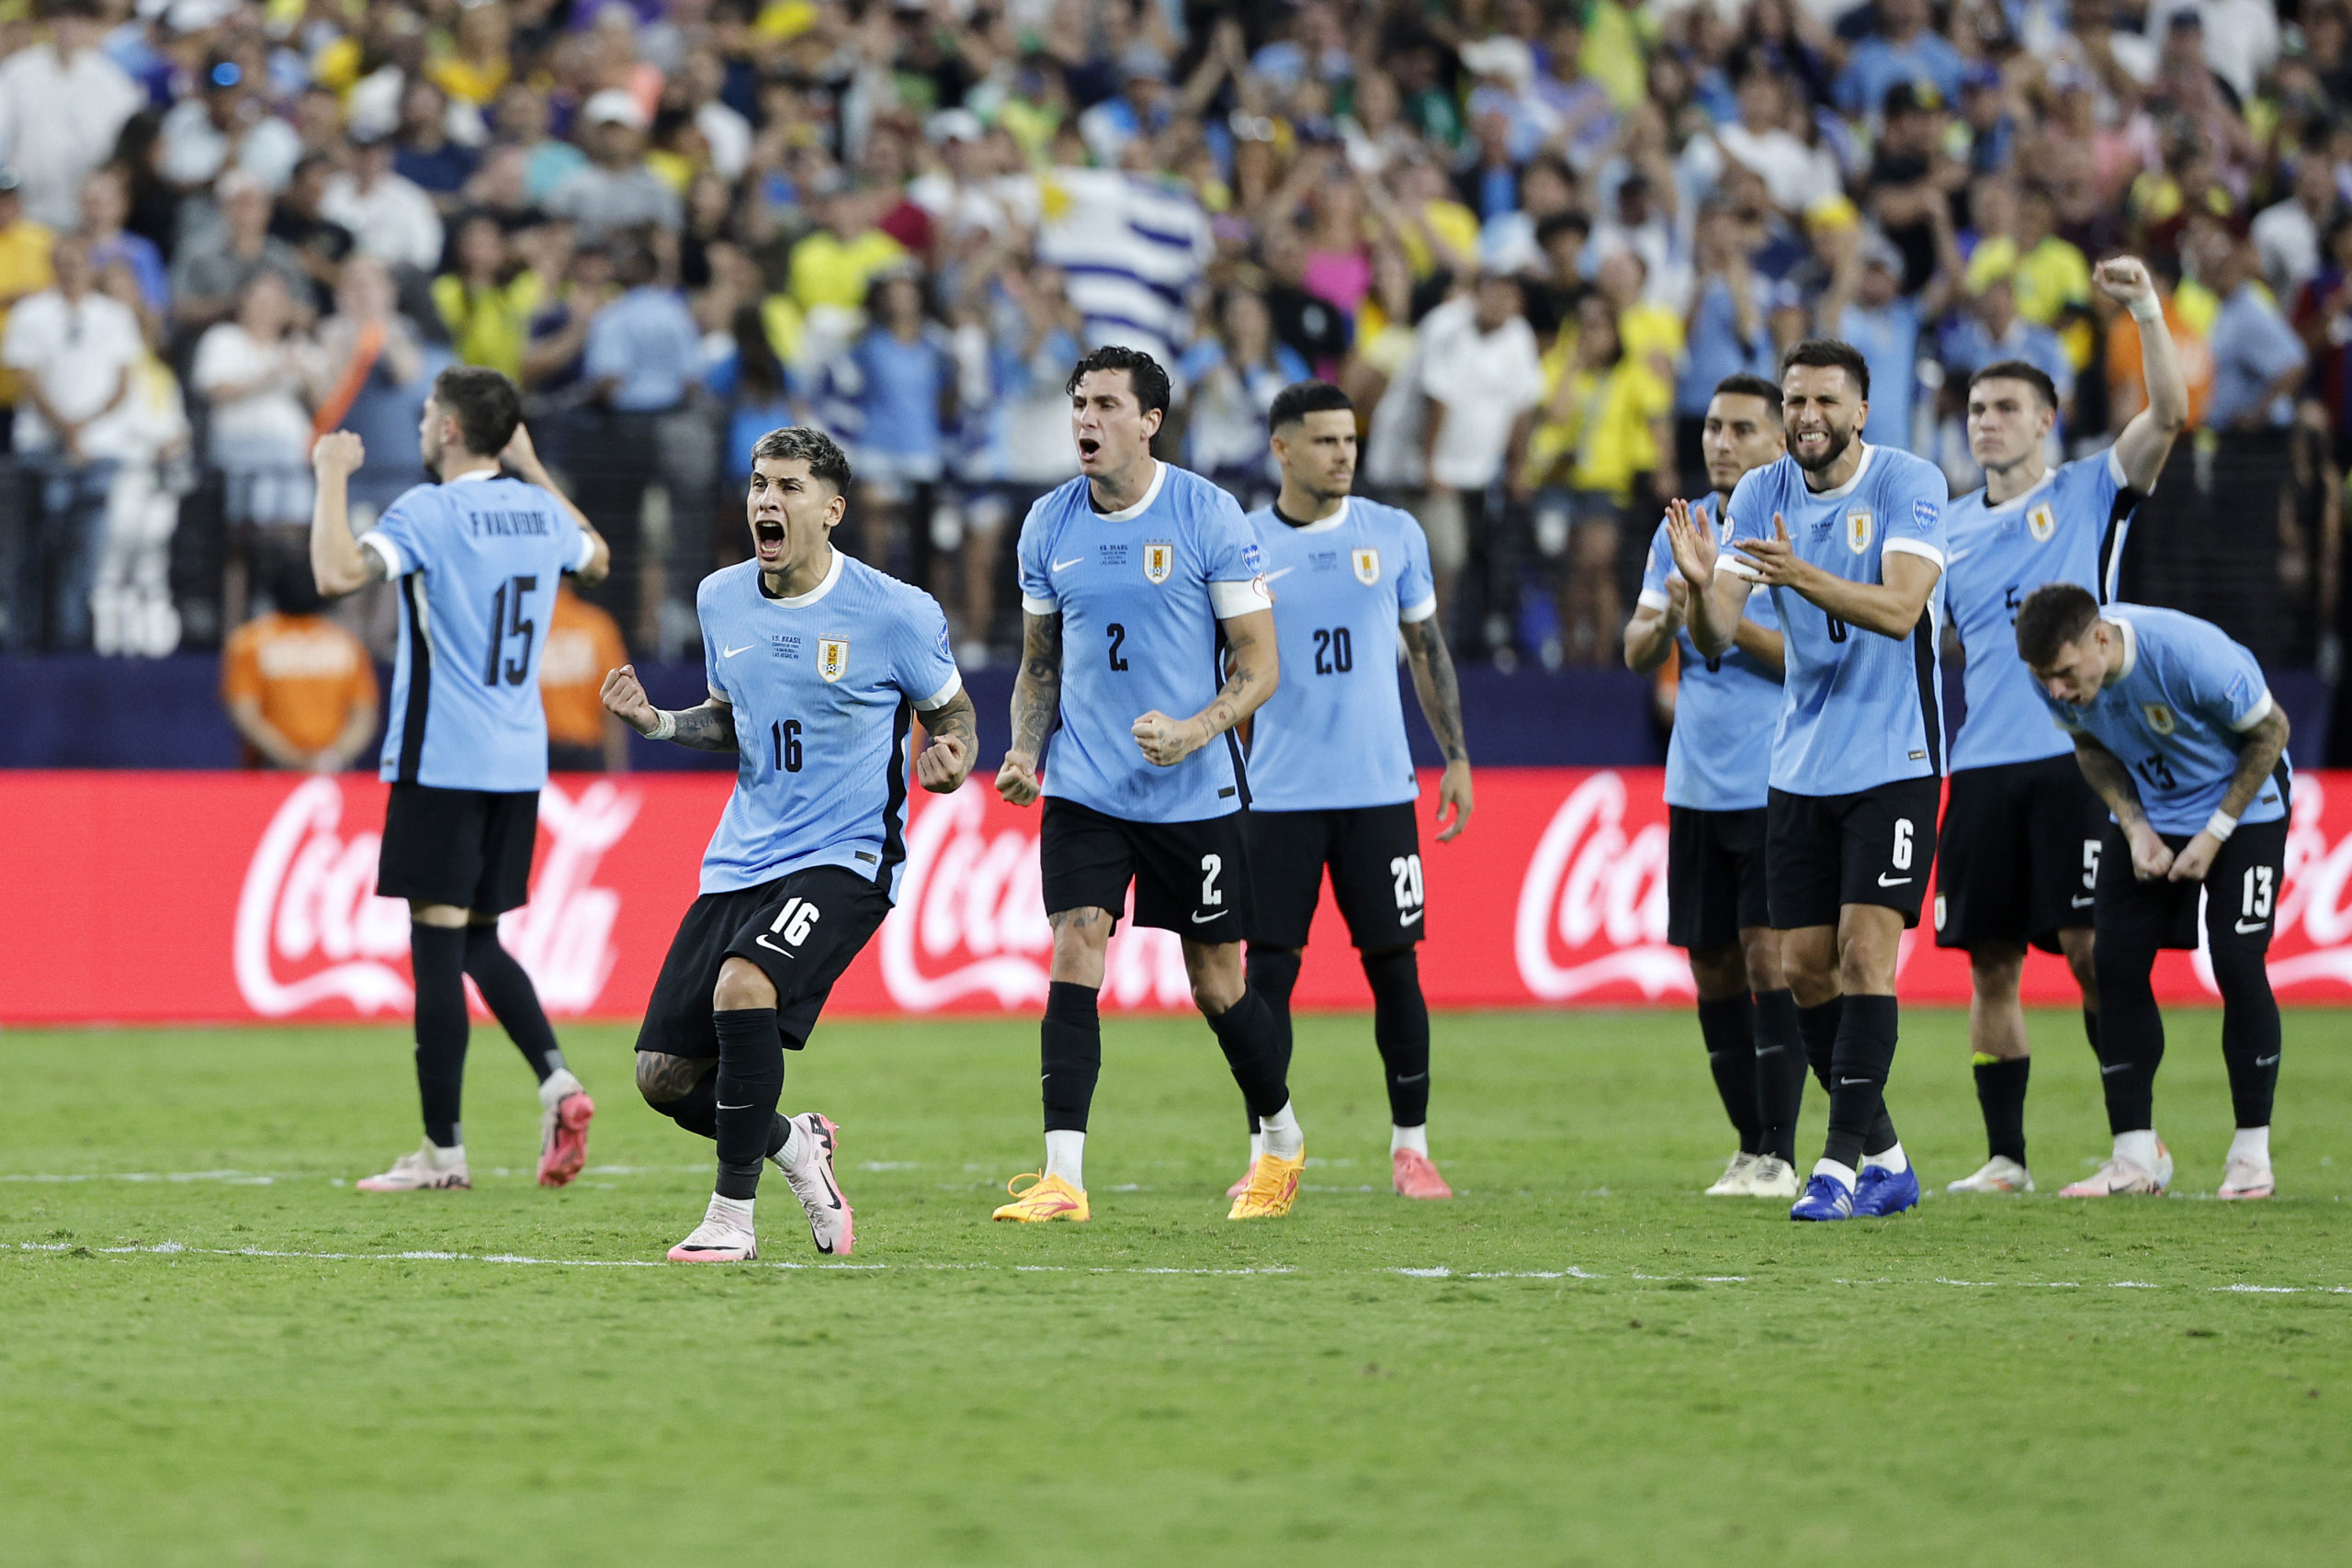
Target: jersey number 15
[506, 621]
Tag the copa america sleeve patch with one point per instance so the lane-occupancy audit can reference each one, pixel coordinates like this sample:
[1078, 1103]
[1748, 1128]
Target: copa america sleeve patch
[1924, 513]
[1253, 559]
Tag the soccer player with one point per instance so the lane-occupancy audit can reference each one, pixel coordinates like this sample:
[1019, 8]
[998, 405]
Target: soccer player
[1718, 762]
[1851, 540]
[817, 666]
[2174, 727]
[1134, 576]
[1331, 776]
[2019, 852]
[477, 556]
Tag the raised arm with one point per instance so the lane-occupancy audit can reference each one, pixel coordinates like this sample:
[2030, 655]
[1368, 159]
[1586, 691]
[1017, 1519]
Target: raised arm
[337, 563]
[708, 726]
[1036, 704]
[524, 458]
[2146, 441]
[1718, 601]
[1252, 667]
[1440, 696]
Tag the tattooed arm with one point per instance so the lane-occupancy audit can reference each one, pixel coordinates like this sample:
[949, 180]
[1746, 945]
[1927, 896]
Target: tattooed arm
[2112, 781]
[953, 729]
[1037, 703]
[708, 728]
[1251, 670]
[1441, 695]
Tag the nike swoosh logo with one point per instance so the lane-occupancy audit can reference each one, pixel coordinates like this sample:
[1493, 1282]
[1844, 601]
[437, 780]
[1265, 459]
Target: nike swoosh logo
[1072, 561]
[731, 652]
[1843, 1082]
[743, 1107]
[2265, 1061]
[1886, 881]
[2079, 903]
[763, 942]
[1284, 572]
[1960, 556]
[1409, 919]
[2243, 928]
[1204, 920]
[2111, 1071]
[1419, 1077]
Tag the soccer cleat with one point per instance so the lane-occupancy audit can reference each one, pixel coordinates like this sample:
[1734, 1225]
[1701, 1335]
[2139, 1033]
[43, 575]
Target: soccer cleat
[419, 1172]
[1413, 1176]
[1734, 1182]
[1773, 1177]
[563, 1138]
[1046, 1198]
[722, 1237]
[2000, 1174]
[831, 1224]
[2120, 1177]
[1273, 1187]
[1881, 1192]
[1825, 1198]
[2244, 1179]
[1238, 1188]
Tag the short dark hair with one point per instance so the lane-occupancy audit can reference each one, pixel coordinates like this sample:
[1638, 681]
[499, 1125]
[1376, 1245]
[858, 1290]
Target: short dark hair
[485, 404]
[2018, 370]
[2053, 616]
[1560, 224]
[1829, 353]
[823, 454]
[1300, 399]
[1144, 374]
[1747, 386]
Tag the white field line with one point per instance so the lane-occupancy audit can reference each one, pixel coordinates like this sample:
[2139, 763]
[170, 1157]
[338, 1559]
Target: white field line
[176, 1249]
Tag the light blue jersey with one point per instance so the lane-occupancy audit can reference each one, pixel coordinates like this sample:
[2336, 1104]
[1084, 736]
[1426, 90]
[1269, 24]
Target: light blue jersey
[824, 688]
[1857, 709]
[1332, 735]
[1720, 756]
[2068, 528]
[476, 560]
[2174, 714]
[1140, 591]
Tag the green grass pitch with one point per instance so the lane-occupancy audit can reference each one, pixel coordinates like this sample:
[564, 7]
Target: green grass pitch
[1580, 1360]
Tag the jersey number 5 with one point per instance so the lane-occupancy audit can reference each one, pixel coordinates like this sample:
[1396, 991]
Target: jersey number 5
[506, 621]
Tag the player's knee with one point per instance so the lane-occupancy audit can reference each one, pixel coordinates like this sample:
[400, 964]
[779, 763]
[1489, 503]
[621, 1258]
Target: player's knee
[663, 1079]
[1995, 972]
[1215, 975]
[1760, 946]
[1719, 972]
[2241, 973]
[741, 984]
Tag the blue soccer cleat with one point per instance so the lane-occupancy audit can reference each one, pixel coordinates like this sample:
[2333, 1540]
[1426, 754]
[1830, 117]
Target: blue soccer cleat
[1882, 1191]
[1825, 1198]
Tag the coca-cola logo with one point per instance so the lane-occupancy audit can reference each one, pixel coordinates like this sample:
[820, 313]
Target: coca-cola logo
[310, 930]
[1589, 878]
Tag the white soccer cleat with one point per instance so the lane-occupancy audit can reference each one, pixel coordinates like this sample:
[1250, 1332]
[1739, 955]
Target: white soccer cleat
[429, 1169]
[831, 1224]
[722, 1237]
[2120, 1177]
[2000, 1174]
[1772, 1176]
[2244, 1179]
[1735, 1180]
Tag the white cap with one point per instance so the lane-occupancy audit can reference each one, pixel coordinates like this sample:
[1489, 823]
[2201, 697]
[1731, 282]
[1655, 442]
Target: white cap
[1501, 56]
[955, 125]
[612, 107]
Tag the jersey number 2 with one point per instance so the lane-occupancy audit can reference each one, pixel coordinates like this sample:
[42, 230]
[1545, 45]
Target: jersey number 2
[506, 621]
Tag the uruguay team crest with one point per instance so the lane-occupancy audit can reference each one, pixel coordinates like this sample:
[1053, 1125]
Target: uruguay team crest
[1158, 560]
[2041, 522]
[2159, 717]
[1859, 529]
[1367, 566]
[832, 658]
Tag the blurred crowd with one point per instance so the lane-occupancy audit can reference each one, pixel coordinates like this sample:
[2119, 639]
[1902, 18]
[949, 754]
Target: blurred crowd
[1528, 236]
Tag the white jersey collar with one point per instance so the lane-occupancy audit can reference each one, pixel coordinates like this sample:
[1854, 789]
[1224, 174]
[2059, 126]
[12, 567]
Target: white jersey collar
[1325, 525]
[472, 475]
[2130, 647]
[2049, 477]
[802, 601]
[1129, 513]
[1846, 489]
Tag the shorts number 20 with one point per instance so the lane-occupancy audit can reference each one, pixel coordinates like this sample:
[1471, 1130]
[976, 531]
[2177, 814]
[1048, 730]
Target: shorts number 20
[1406, 870]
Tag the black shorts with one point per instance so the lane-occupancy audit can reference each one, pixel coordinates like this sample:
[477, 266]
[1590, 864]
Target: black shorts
[2019, 856]
[2242, 893]
[1190, 877]
[1875, 846]
[802, 930]
[1374, 854]
[467, 847]
[1715, 876]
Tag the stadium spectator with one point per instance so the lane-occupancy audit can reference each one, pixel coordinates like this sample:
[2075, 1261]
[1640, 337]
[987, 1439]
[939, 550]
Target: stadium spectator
[299, 687]
[487, 299]
[131, 604]
[226, 125]
[374, 374]
[212, 269]
[62, 104]
[1233, 376]
[104, 202]
[899, 378]
[640, 357]
[25, 269]
[2288, 234]
[298, 218]
[1482, 376]
[390, 218]
[2258, 363]
[1900, 49]
[261, 376]
[583, 645]
[614, 190]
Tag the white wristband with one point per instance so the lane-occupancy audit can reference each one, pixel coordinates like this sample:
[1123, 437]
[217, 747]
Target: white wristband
[666, 727]
[2145, 311]
[2220, 825]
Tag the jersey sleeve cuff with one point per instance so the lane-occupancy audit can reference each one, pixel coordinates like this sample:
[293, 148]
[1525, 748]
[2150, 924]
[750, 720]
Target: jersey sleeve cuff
[385, 551]
[1034, 606]
[1737, 568]
[1411, 613]
[2257, 714]
[587, 550]
[1919, 547]
[941, 698]
[1231, 599]
[2115, 469]
[1651, 599]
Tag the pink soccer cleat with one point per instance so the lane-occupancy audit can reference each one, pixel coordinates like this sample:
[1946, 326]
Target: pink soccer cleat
[832, 1224]
[563, 1138]
[722, 1237]
[1415, 1177]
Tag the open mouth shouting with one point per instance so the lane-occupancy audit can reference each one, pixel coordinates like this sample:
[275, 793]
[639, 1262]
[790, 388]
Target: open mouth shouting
[767, 539]
[1088, 447]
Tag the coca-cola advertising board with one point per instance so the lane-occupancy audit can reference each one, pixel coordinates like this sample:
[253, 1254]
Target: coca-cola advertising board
[236, 898]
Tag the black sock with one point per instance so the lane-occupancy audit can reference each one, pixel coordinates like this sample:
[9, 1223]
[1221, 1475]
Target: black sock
[1274, 971]
[1817, 1027]
[750, 1080]
[697, 1111]
[507, 991]
[2250, 1033]
[1069, 1048]
[1780, 1071]
[438, 958]
[1858, 1070]
[1254, 1050]
[2000, 1094]
[1727, 1025]
[1401, 1027]
[2131, 1032]
[2090, 1029]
